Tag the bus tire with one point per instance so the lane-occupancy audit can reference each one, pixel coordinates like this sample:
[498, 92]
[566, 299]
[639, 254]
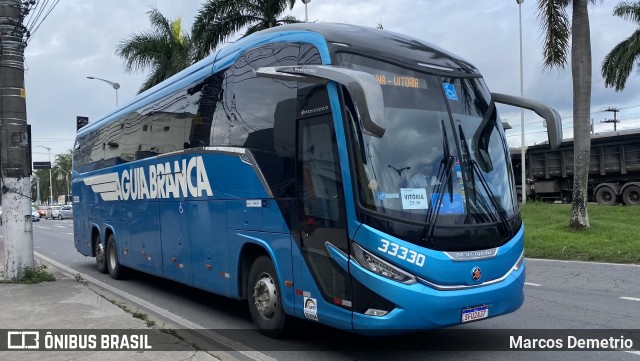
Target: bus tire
[265, 301]
[631, 195]
[605, 195]
[115, 269]
[98, 250]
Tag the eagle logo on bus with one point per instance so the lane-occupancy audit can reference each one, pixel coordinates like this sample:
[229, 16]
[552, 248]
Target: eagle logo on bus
[186, 178]
[476, 273]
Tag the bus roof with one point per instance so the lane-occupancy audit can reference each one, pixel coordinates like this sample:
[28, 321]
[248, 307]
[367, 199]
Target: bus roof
[382, 43]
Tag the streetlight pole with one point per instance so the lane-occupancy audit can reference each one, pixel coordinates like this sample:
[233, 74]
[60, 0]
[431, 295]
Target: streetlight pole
[50, 179]
[306, 14]
[523, 183]
[115, 86]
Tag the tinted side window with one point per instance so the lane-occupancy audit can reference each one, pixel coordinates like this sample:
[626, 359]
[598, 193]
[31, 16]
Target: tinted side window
[260, 113]
[203, 101]
[121, 139]
[115, 143]
[221, 118]
[178, 121]
[258, 102]
[169, 124]
[82, 151]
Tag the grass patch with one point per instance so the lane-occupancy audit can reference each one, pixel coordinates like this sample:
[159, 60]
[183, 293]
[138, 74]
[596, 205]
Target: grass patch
[36, 275]
[135, 314]
[614, 235]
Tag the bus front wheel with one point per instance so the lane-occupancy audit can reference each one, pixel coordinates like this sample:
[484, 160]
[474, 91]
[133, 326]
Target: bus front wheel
[265, 301]
[115, 269]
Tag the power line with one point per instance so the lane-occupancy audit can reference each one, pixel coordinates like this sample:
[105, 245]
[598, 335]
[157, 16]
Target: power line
[45, 17]
[36, 12]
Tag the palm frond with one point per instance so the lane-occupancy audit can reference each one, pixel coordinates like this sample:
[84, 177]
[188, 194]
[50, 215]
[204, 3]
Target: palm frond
[218, 20]
[289, 19]
[617, 65]
[255, 28]
[141, 51]
[554, 20]
[160, 23]
[207, 19]
[165, 50]
[628, 11]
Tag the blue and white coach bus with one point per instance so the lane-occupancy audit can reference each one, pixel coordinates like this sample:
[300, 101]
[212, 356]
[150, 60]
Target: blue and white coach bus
[347, 175]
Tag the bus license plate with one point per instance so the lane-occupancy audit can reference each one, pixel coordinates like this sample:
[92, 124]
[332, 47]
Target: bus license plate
[475, 313]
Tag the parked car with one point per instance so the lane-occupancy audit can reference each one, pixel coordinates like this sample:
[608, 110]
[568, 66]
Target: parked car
[53, 212]
[65, 212]
[35, 217]
[42, 211]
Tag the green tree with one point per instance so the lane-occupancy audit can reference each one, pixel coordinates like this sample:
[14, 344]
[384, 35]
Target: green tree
[43, 176]
[217, 20]
[165, 50]
[62, 173]
[617, 65]
[558, 31]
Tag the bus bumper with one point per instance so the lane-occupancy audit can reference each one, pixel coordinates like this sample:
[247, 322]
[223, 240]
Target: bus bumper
[420, 307]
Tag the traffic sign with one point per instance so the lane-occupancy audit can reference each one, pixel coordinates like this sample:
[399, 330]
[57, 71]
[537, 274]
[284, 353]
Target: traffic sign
[41, 165]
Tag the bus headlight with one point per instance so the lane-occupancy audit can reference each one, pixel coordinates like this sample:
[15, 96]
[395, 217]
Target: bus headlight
[379, 266]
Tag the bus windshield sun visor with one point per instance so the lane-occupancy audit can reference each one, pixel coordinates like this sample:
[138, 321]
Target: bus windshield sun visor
[550, 115]
[363, 88]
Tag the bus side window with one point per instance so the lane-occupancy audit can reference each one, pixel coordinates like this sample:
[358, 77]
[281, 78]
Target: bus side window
[261, 114]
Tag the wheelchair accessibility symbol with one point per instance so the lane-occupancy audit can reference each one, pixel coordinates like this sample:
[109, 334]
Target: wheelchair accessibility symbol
[450, 91]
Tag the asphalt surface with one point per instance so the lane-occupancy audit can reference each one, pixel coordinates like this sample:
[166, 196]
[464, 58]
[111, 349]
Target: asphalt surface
[559, 295]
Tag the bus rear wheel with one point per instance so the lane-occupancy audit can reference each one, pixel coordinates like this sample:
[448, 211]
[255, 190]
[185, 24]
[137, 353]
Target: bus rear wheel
[98, 250]
[116, 270]
[265, 301]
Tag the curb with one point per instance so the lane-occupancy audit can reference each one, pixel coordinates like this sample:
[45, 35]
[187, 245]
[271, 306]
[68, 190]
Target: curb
[162, 318]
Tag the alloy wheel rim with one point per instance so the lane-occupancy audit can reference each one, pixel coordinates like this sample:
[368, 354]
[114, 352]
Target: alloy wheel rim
[265, 296]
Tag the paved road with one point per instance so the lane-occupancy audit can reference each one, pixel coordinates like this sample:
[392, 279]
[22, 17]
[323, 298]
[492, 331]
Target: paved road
[559, 295]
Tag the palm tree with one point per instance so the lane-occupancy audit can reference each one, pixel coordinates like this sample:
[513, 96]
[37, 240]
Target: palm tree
[165, 49]
[557, 29]
[217, 20]
[617, 65]
[62, 172]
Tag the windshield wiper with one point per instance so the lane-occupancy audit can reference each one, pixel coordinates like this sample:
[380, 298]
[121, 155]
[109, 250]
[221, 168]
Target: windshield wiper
[444, 176]
[476, 169]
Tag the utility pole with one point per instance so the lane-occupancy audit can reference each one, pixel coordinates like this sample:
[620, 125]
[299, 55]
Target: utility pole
[14, 144]
[615, 120]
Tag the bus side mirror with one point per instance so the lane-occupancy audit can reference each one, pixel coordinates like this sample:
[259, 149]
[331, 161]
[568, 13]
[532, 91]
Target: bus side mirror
[550, 115]
[364, 89]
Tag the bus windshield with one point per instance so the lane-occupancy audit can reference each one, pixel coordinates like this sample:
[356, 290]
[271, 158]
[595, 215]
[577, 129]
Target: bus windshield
[443, 157]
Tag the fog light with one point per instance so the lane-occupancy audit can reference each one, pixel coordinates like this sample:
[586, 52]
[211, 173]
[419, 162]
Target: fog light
[374, 312]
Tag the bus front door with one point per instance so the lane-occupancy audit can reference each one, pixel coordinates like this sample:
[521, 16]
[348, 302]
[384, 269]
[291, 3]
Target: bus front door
[325, 285]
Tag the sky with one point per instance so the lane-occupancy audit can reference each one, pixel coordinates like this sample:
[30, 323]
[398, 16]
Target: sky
[79, 38]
